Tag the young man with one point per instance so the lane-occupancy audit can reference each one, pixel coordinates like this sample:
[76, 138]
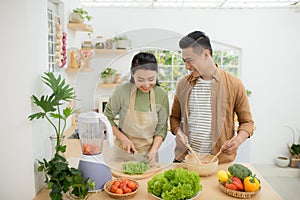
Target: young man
[205, 103]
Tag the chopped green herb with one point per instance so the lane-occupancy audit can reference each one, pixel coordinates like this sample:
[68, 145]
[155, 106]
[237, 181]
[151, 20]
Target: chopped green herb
[135, 167]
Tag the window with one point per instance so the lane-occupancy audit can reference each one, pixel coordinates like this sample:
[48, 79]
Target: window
[171, 68]
[56, 43]
[52, 17]
[228, 60]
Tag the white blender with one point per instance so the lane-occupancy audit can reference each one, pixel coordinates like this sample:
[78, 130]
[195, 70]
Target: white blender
[91, 135]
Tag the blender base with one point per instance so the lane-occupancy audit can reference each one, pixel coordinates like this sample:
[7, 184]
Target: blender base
[98, 172]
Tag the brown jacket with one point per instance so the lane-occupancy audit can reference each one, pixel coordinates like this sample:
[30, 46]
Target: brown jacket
[228, 96]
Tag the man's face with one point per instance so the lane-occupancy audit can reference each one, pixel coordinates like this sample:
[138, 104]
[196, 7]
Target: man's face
[194, 62]
[145, 79]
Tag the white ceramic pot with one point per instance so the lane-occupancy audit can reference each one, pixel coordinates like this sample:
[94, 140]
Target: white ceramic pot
[282, 161]
[75, 18]
[123, 44]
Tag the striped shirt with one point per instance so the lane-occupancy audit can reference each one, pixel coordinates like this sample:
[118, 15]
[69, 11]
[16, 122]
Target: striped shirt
[200, 116]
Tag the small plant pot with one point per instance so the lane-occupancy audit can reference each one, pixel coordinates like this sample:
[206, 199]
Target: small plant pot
[282, 161]
[295, 162]
[117, 78]
[75, 18]
[123, 44]
[107, 80]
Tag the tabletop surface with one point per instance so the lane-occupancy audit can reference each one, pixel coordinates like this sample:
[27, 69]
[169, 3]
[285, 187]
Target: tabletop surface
[210, 188]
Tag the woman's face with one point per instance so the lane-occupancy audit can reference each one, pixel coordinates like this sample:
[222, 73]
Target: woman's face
[145, 79]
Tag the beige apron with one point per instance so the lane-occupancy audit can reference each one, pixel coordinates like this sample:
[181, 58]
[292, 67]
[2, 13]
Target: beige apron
[138, 126]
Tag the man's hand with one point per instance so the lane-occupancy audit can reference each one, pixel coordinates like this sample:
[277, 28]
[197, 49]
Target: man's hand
[232, 147]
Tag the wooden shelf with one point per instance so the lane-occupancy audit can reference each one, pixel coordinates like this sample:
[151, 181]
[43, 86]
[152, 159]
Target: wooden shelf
[79, 27]
[110, 51]
[107, 85]
[74, 70]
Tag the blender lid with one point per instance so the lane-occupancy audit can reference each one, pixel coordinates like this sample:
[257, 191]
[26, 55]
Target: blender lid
[89, 116]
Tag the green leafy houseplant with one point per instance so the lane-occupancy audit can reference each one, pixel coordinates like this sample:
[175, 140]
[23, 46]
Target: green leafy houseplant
[84, 15]
[108, 72]
[58, 175]
[295, 150]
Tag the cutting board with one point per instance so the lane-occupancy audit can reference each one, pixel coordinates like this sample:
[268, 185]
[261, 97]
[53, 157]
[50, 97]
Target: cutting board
[150, 172]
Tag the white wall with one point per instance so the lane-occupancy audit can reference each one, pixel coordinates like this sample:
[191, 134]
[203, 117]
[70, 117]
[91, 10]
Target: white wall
[23, 58]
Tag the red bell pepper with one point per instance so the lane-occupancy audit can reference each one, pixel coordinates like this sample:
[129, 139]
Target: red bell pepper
[229, 184]
[238, 183]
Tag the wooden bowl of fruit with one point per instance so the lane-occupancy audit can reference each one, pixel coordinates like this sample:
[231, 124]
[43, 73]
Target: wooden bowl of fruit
[121, 188]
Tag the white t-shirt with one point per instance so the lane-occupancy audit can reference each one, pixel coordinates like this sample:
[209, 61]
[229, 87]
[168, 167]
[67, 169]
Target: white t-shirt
[200, 116]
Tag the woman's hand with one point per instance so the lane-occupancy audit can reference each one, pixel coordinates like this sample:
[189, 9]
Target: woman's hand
[152, 158]
[153, 151]
[127, 145]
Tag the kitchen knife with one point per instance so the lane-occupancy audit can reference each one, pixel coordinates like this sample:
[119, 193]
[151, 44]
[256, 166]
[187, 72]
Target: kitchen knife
[139, 157]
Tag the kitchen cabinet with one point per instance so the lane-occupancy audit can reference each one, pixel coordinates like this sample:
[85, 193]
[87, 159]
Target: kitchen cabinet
[80, 27]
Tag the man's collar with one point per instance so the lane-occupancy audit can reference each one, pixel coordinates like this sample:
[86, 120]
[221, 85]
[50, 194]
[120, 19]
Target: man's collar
[216, 75]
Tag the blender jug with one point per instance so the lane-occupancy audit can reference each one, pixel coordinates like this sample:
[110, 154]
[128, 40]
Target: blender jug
[91, 127]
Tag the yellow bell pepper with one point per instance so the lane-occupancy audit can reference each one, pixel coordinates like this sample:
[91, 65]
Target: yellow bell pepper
[251, 184]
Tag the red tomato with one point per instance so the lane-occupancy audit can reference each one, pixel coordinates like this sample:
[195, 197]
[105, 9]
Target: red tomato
[126, 190]
[116, 183]
[90, 149]
[113, 188]
[131, 185]
[122, 185]
[119, 191]
[125, 181]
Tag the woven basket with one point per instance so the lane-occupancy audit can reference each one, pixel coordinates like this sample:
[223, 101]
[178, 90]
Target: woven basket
[238, 194]
[109, 183]
[295, 162]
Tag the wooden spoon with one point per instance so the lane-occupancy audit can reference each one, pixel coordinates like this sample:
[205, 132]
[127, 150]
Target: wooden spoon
[180, 133]
[212, 160]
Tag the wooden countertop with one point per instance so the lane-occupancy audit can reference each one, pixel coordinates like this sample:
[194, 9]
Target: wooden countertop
[210, 189]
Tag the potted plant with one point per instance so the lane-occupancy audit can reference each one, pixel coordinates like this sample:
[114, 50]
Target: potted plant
[121, 42]
[107, 74]
[80, 15]
[58, 175]
[294, 150]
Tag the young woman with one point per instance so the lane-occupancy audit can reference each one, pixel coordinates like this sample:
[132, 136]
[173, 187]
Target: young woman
[143, 110]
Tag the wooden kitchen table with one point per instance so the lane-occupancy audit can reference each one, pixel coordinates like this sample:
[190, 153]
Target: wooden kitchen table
[210, 188]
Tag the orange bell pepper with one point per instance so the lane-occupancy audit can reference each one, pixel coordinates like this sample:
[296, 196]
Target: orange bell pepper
[251, 184]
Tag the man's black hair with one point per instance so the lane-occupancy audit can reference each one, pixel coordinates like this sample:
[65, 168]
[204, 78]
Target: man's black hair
[196, 40]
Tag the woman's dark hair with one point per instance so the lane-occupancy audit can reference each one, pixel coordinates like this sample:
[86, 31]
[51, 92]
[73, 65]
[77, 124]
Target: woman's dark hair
[197, 40]
[143, 60]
